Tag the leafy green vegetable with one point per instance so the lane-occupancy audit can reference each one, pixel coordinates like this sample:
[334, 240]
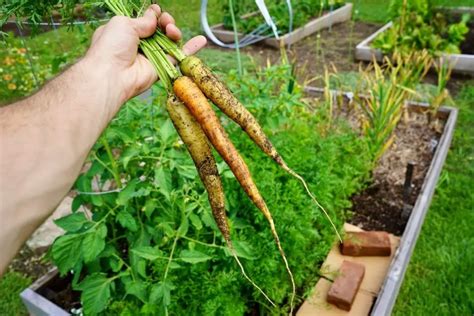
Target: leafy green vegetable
[417, 26]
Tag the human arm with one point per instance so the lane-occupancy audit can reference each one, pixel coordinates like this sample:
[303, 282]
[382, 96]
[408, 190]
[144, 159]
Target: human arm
[45, 138]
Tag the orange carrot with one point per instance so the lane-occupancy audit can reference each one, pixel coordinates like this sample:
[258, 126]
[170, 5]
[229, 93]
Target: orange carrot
[190, 94]
[223, 98]
[196, 142]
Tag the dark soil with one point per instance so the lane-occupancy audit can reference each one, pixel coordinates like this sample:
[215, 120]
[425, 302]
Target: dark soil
[381, 205]
[326, 48]
[60, 292]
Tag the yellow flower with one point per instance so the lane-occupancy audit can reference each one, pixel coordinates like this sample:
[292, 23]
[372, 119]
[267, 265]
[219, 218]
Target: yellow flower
[11, 86]
[8, 61]
[7, 77]
[21, 50]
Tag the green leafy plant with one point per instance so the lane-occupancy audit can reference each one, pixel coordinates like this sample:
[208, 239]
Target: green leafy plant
[303, 11]
[417, 26]
[151, 238]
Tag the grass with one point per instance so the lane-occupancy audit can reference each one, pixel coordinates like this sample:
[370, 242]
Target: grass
[188, 15]
[11, 284]
[440, 278]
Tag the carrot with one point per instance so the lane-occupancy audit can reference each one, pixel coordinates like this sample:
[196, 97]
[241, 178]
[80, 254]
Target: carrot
[196, 142]
[223, 98]
[194, 99]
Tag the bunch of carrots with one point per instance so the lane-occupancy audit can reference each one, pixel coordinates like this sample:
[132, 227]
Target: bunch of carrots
[198, 125]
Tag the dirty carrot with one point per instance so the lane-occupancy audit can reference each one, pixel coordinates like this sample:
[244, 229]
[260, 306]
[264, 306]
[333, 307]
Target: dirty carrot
[223, 98]
[194, 99]
[196, 142]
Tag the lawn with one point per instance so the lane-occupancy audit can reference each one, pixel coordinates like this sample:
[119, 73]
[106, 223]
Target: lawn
[11, 284]
[440, 278]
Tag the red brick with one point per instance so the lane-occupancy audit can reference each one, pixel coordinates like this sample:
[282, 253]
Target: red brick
[346, 285]
[366, 244]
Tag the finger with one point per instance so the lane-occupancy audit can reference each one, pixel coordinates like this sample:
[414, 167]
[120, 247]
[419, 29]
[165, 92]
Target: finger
[156, 8]
[194, 45]
[166, 19]
[173, 32]
[145, 26]
[97, 34]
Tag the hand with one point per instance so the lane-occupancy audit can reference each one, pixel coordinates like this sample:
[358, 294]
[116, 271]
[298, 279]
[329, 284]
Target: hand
[115, 45]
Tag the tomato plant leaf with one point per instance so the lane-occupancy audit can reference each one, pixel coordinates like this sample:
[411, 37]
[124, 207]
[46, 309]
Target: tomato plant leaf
[163, 181]
[126, 220]
[138, 289]
[126, 194]
[73, 222]
[196, 221]
[147, 252]
[66, 252]
[95, 293]
[94, 243]
[193, 256]
[161, 293]
[166, 131]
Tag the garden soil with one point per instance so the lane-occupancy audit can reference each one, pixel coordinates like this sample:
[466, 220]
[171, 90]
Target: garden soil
[381, 205]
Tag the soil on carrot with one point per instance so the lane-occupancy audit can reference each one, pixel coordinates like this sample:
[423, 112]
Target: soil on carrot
[381, 205]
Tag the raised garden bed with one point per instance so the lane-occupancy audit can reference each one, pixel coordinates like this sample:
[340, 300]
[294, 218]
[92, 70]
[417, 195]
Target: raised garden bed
[461, 63]
[421, 199]
[339, 15]
[43, 297]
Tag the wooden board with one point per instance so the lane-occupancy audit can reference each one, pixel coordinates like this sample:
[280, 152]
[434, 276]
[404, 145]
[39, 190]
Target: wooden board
[376, 269]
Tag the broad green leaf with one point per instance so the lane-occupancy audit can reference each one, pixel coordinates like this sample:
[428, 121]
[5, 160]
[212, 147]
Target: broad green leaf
[67, 252]
[161, 293]
[184, 226]
[196, 221]
[126, 194]
[147, 252]
[95, 293]
[163, 181]
[242, 249]
[127, 220]
[193, 256]
[73, 222]
[76, 203]
[166, 131]
[167, 229]
[138, 289]
[94, 243]
[150, 206]
[139, 264]
[129, 154]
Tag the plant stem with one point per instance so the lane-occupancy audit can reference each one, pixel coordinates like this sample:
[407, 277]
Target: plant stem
[170, 257]
[236, 36]
[113, 163]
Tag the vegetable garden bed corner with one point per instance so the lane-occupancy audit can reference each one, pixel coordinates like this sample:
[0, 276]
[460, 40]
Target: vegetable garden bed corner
[339, 15]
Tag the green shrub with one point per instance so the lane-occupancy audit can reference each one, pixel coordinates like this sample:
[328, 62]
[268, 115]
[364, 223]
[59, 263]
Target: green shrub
[416, 26]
